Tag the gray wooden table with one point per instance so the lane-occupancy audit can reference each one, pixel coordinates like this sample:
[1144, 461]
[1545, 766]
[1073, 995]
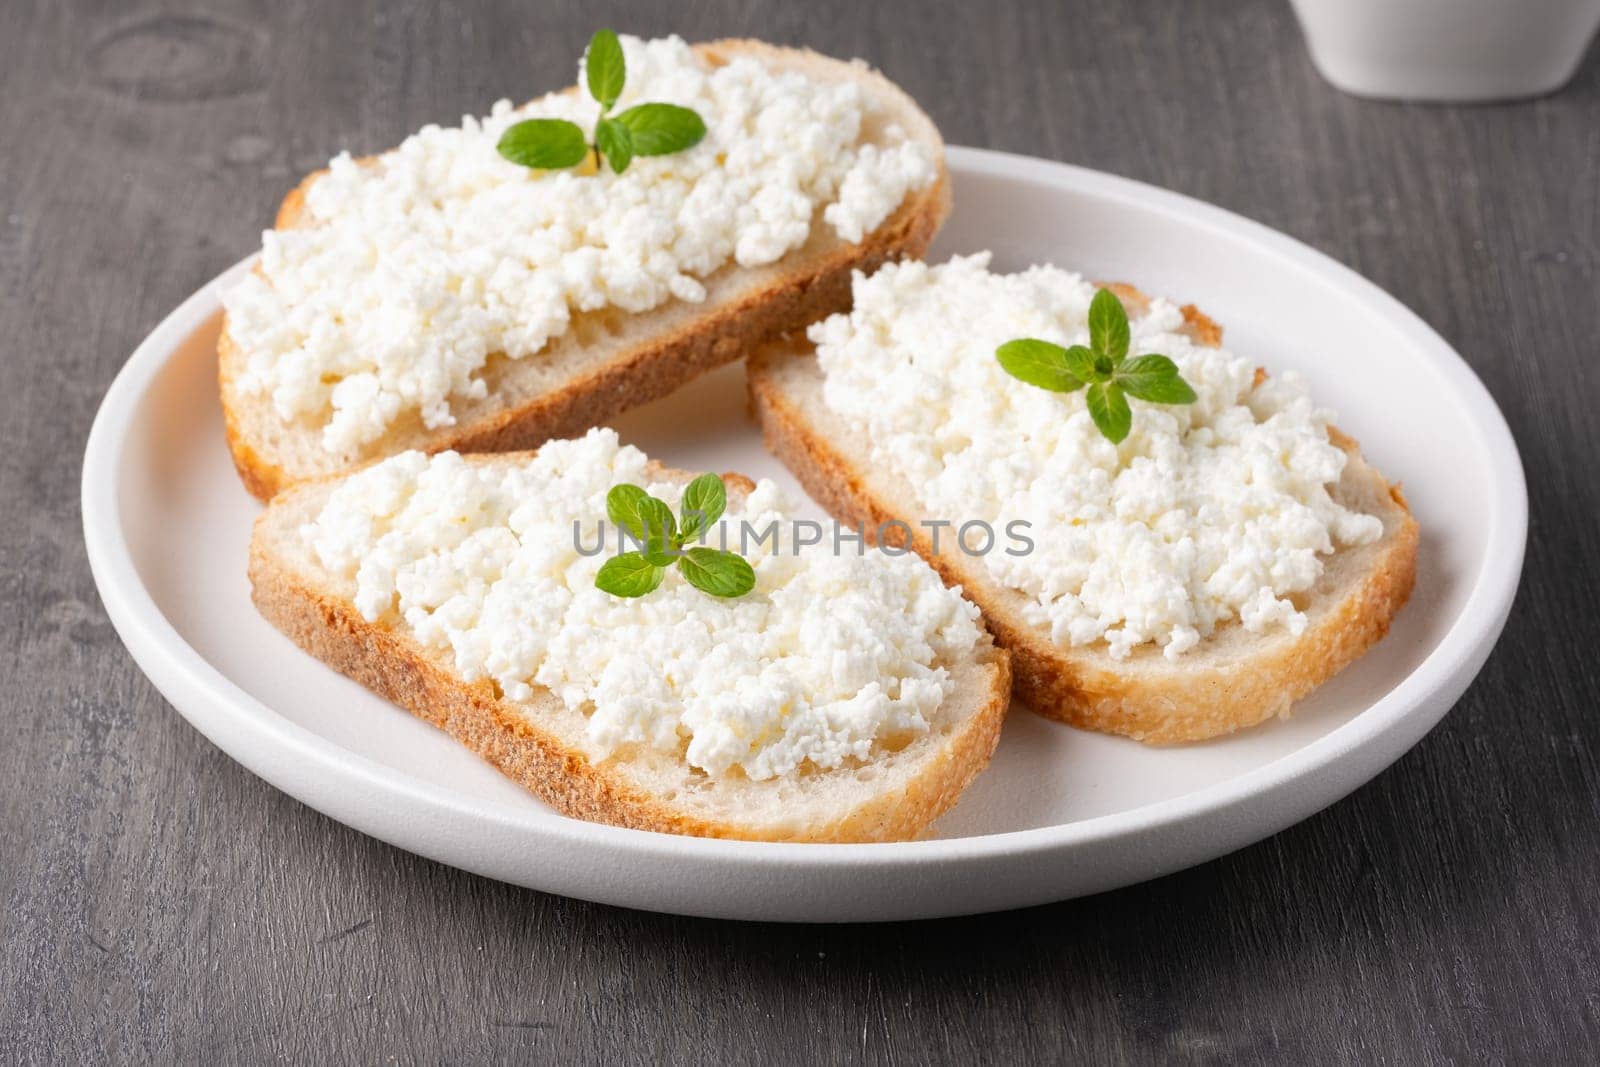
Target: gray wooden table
[157, 902]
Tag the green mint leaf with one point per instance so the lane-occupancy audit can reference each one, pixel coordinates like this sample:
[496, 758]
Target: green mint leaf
[625, 506]
[660, 529]
[703, 504]
[1109, 410]
[1154, 378]
[604, 66]
[1108, 326]
[647, 520]
[544, 144]
[711, 570]
[660, 129]
[615, 143]
[628, 575]
[1080, 362]
[1038, 363]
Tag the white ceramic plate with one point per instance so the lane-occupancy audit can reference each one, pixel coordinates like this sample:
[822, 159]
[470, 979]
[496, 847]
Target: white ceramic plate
[1060, 812]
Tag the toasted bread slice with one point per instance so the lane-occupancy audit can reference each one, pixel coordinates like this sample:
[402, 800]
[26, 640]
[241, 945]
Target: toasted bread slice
[540, 743]
[610, 360]
[1233, 679]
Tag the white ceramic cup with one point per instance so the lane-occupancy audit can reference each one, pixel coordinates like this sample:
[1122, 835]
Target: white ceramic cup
[1448, 49]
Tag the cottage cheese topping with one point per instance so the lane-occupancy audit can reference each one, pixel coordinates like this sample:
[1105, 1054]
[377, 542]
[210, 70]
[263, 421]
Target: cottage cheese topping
[415, 268]
[829, 659]
[1209, 512]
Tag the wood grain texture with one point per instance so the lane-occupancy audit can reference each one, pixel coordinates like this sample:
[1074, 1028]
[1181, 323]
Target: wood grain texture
[159, 903]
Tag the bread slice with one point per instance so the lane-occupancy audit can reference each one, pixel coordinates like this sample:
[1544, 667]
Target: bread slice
[540, 743]
[1231, 680]
[610, 360]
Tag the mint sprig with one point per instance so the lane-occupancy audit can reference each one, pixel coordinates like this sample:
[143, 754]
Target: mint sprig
[1103, 366]
[641, 130]
[651, 523]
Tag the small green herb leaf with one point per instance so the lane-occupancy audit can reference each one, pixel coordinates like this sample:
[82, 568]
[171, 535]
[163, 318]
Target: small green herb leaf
[1080, 361]
[703, 504]
[1038, 363]
[605, 69]
[720, 573]
[625, 507]
[660, 129]
[647, 520]
[544, 144]
[628, 575]
[1109, 410]
[661, 531]
[1108, 326]
[1154, 378]
[615, 143]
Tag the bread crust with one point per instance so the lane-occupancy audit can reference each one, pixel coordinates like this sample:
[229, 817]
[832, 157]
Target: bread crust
[816, 285]
[1084, 686]
[392, 664]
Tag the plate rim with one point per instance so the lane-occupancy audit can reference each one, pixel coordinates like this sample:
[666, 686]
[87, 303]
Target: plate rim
[203, 695]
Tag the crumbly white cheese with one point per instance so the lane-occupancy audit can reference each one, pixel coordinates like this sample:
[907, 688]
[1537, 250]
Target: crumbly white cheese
[415, 267]
[1208, 512]
[830, 658]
